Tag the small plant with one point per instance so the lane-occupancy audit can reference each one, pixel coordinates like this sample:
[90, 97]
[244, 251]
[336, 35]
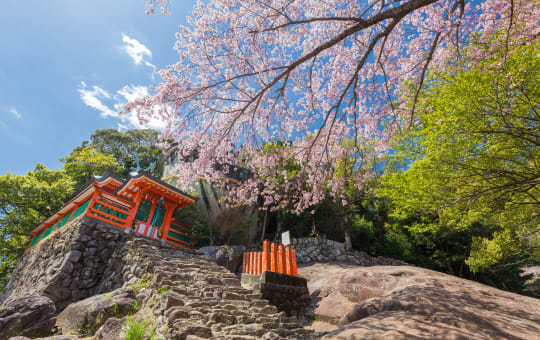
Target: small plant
[153, 333]
[135, 329]
[143, 282]
[136, 306]
[108, 296]
[162, 290]
[82, 329]
[99, 318]
[115, 309]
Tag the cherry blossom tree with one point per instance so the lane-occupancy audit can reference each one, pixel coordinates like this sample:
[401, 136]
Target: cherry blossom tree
[331, 80]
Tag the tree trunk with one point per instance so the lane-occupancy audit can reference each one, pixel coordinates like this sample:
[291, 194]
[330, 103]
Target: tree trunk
[279, 224]
[264, 226]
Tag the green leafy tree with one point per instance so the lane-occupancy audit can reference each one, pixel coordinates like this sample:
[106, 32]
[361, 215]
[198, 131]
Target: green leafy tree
[123, 146]
[25, 201]
[85, 162]
[473, 158]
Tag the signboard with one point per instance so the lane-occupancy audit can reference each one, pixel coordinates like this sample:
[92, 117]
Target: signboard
[286, 238]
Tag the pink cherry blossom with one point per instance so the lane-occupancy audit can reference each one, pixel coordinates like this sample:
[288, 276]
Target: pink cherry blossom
[328, 79]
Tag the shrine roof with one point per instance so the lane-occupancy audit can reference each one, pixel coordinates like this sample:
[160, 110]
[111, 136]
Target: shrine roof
[100, 181]
[159, 186]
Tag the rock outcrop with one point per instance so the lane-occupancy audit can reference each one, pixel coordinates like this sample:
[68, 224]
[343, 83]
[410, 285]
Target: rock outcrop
[94, 281]
[403, 302]
[225, 219]
[229, 257]
[88, 315]
[28, 315]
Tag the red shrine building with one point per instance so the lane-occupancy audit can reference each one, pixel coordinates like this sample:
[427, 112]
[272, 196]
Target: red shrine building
[142, 203]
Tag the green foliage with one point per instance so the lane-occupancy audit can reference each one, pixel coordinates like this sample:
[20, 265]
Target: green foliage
[162, 290]
[25, 201]
[200, 229]
[136, 306]
[123, 146]
[135, 329]
[466, 185]
[143, 282]
[85, 162]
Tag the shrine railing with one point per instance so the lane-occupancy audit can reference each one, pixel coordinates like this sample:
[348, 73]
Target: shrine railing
[59, 223]
[178, 235]
[273, 258]
[109, 212]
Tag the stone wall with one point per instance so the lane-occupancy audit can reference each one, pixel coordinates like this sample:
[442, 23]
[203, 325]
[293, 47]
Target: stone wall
[288, 293]
[80, 260]
[309, 250]
[69, 265]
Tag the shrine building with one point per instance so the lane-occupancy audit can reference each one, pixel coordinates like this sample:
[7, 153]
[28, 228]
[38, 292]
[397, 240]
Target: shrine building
[142, 203]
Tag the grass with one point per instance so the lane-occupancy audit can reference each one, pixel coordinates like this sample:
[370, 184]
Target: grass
[143, 282]
[135, 329]
[82, 329]
[162, 290]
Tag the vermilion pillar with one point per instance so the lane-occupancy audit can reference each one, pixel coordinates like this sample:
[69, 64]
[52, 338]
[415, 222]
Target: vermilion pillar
[259, 262]
[293, 260]
[273, 257]
[266, 256]
[281, 259]
[252, 262]
[288, 267]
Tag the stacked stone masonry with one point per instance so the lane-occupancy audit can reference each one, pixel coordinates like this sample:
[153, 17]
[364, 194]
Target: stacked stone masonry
[309, 250]
[288, 293]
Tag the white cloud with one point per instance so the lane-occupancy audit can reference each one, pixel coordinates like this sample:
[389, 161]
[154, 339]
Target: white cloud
[93, 99]
[136, 50]
[14, 112]
[133, 92]
[129, 120]
[150, 65]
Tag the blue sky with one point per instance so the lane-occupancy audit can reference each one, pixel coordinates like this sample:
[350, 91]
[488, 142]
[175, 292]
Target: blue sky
[66, 64]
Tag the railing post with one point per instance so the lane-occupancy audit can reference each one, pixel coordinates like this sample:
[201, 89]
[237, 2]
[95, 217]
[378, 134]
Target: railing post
[288, 267]
[166, 225]
[293, 260]
[281, 259]
[266, 256]
[252, 262]
[259, 262]
[273, 258]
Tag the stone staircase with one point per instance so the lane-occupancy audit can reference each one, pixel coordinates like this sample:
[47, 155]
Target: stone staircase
[192, 298]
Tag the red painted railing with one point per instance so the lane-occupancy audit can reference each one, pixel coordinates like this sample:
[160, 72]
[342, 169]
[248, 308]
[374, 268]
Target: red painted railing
[273, 258]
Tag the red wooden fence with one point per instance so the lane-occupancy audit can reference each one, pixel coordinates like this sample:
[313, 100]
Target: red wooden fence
[273, 258]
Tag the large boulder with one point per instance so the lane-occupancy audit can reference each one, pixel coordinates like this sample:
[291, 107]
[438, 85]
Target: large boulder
[111, 329]
[86, 316]
[404, 302]
[29, 315]
[229, 257]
